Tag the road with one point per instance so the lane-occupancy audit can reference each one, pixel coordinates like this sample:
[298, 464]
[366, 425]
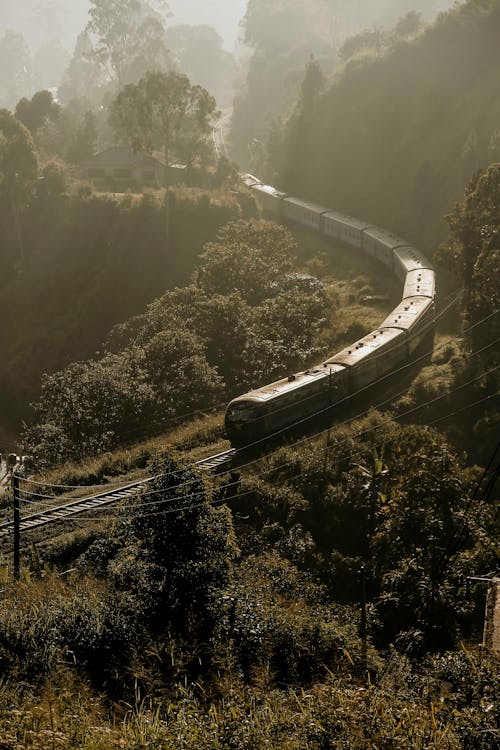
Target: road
[218, 135]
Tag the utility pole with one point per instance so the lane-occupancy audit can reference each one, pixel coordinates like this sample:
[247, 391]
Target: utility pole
[363, 624]
[17, 525]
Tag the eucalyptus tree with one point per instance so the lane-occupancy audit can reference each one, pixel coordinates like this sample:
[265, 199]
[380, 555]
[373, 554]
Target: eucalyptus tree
[165, 111]
[128, 37]
[18, 170]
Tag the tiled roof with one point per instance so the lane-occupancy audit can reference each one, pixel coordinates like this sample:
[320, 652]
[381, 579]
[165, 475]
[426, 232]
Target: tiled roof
[121, 156]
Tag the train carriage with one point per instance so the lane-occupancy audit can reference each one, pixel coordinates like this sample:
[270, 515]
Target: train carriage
[420, 283]
[344, 228]
[266, 410]
[380, 244]
[408, 259]
[373, 356]
[270, 198]
[303, 212]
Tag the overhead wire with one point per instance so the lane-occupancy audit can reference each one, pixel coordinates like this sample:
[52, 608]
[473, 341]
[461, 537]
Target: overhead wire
[167, 501]
[347, 421]
[225, 499]
[318, 413]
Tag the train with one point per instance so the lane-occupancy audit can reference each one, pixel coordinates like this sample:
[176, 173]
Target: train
[408, 330]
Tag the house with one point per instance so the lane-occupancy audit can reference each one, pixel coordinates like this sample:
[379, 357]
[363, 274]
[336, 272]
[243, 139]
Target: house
[119, 169]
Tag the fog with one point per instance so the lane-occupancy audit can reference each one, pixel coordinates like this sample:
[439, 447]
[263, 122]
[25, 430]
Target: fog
[37, 37]
[44, 20]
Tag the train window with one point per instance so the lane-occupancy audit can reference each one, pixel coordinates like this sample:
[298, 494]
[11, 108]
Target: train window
[242, 412]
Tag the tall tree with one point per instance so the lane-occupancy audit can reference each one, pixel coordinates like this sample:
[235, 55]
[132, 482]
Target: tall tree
[18, 169]
[84, 76]
[38, 111]
[126, 31]
[165, 111]
[15, 68]
[198, 51]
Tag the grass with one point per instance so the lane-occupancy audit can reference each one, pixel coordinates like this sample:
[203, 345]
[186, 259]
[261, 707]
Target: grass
[66, 714]
[129, 463]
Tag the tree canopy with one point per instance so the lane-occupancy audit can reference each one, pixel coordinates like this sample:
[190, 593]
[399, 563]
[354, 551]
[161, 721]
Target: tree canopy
[128, 37]
[165, 111]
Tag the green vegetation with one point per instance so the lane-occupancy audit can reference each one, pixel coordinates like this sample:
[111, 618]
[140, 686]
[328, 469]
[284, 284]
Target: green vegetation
[59, 299]
[226, 612]
[182, 622]
[416, 116]
[165, 111]
[246, 319]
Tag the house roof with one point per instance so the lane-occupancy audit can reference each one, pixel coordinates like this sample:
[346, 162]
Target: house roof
[121, 156]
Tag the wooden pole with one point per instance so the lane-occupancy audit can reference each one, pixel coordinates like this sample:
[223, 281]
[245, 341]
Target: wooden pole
[17, 526]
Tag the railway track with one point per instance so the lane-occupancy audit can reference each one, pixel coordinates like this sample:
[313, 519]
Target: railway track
[96, 503]
[218, 136]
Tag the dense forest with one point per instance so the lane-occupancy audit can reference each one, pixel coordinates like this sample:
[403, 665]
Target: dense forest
[328, 591]
[414, 110]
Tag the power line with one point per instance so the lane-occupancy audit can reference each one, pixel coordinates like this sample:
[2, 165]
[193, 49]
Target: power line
[327, 409]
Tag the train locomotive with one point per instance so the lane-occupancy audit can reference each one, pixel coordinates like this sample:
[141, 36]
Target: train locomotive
[408, 329]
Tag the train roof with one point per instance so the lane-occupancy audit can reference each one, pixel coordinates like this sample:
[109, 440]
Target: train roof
[269, 190]
[355, 353]
[408, 313]
[250, 180]
[290, 384]
[412, 258]
[348, 220]
[314, 207]
[420, 283]
[388, 238]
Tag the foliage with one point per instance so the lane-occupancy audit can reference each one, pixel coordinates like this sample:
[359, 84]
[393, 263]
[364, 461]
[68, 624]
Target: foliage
[198, 51]
[80, 248]
[362, 129]
[18, 172]
[129, 37]
[84, 77]
[473, 253]
[37, 112]
[88, 408]
[178, 552]
[385, 496]
[164, 110]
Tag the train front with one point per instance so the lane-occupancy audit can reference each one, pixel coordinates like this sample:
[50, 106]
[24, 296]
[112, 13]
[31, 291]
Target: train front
[245, 420]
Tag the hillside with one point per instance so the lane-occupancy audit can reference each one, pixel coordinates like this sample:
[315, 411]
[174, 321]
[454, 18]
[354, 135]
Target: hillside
[398, 134]
[90, 261]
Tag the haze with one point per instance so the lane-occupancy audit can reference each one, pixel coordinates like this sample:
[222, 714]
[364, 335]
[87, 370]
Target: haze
[42, 20]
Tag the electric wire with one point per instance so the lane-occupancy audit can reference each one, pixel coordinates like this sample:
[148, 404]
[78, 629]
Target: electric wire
[225, 499]
[350, 455]
[347, 421]
[312, 415]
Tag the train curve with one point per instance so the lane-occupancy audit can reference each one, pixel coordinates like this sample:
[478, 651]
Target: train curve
[260, 413]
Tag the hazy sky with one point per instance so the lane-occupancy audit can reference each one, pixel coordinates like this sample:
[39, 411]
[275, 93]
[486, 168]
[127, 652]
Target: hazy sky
[64, 19]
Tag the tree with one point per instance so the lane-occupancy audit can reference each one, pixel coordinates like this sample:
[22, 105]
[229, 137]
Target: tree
[126, 31]
[84, 76]
[177, 556]
[38, 111]
[198, 51]
[473, 252]
[18, 169]
[15, 68]
[84, 141]
[165, 111]
[49, 64]
[248, 256]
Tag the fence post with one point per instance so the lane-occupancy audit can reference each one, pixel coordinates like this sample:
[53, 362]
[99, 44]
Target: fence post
[17, 526]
